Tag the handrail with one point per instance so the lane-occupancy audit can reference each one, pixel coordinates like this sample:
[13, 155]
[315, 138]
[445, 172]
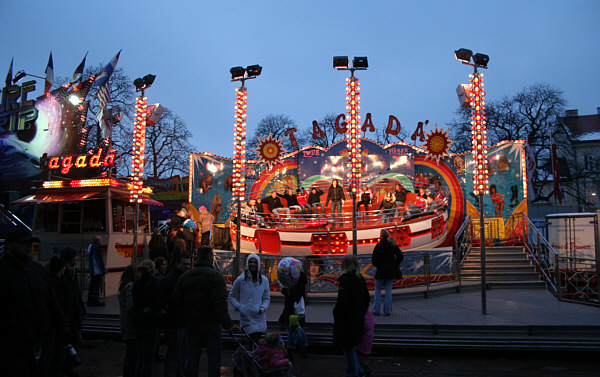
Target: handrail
[538, 248]
[463, 241]
[12, 218]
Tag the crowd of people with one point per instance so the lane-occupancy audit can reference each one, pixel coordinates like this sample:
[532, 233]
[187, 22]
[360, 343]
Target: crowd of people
[41, 330]
[42, 311]
[305, 206]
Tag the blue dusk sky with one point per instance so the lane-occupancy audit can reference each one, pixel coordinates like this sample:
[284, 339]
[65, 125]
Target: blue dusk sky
[191, 45]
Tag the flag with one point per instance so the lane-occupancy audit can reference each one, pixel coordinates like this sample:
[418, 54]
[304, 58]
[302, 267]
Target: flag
[555, 171]
[531, 164]
[49, 75]
[9, 74]
[104, 115]
[78, 75]
[107, 71]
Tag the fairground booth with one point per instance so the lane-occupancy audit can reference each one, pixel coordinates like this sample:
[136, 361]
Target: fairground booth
[62, 188]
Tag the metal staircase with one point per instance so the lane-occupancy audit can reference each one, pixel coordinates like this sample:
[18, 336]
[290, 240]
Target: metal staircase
[506, 267]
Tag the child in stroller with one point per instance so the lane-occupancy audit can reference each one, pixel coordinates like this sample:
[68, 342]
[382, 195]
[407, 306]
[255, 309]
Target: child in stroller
[265, 359]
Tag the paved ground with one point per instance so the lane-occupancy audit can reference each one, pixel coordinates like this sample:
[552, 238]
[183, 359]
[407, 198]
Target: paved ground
[510, 307]
[103, 359]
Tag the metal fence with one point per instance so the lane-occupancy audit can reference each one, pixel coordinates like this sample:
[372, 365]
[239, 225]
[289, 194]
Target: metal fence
[419, 268]
[569, 279]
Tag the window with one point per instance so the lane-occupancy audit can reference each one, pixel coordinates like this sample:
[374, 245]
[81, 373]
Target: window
[591, 195]
[123, 217]
[71, 218]
[589, 162]
[47, 217]
[94, 216]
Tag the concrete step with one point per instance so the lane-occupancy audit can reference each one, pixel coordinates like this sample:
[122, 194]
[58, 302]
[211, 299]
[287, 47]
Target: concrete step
[396, 336]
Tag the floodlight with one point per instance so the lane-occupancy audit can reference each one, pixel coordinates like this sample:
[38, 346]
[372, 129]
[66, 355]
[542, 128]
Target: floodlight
[340, 62]
[360, 62]
[237, 73]
[149, 80]
[139, 84]
[463, 55]
[481, 60]
[19, 76]
[254, 70]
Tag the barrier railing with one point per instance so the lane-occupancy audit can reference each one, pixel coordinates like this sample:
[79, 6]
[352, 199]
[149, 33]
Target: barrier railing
[569, 279]
[419, 268]
[578, 280]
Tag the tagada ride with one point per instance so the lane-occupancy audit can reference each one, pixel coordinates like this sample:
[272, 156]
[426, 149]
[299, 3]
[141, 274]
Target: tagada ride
[414, 227]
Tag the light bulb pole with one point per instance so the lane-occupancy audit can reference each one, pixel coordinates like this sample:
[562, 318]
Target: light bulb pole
[138, 154]
[239, 151]
[353, 136]
[480, 149]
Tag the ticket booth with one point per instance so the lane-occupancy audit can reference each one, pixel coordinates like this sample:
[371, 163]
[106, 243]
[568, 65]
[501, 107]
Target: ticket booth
[71, 213]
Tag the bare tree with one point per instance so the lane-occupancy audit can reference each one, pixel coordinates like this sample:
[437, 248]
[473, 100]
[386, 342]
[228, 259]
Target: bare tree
[326, 137]
[276, 125]
[460, 131]
[167, 146]
[383, 138]
[531, 112]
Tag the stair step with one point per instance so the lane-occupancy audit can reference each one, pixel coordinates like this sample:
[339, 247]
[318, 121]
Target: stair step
[503, 254]
[503, 277]
[503, 267]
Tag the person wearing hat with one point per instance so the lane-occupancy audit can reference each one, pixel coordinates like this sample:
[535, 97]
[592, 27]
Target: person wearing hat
[250, 295]
[388, 205]
[30, 310]
[74, 308]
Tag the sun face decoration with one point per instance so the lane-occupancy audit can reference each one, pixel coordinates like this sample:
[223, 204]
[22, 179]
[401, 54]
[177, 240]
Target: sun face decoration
[437, 144]
[270, 150]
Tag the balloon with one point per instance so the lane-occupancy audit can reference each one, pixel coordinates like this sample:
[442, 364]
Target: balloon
[288, 271]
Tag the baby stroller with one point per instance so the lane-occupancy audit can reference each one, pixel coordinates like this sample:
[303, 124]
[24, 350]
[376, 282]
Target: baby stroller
[246, 363]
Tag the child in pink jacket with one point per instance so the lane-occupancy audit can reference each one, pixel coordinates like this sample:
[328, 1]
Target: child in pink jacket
[271, 353]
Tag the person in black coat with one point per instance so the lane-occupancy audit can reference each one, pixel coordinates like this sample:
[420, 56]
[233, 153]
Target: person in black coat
[386, 258]
[74, 308]
[293, 295]
[146, 312]
[30, 309]
[314, 200]
[337, 197]
[349, 312]
[167, 287]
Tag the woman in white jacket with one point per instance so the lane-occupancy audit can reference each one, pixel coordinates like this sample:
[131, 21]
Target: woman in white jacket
[250, 295]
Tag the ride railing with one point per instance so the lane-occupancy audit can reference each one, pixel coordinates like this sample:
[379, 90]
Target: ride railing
[300, 219]
[420, 268]
[567, 278]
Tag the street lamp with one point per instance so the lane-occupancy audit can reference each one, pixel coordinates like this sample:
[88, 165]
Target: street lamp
[139, 147]
[353, 138]
[239, 149]
[480, 147]
[20, 74]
